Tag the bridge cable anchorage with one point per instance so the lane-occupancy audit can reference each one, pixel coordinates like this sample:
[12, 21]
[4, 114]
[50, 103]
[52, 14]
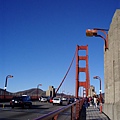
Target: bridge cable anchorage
[66, 73]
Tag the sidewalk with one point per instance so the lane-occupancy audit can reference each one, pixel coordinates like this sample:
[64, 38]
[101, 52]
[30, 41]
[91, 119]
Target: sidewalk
[92, 113]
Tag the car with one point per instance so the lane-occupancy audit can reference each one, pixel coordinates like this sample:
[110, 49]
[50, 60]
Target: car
[48, 99]
[51, 100]
[76, 99]
[44, 99]
[71, 100]
[65, 101]
[57, 100]
[21, 101]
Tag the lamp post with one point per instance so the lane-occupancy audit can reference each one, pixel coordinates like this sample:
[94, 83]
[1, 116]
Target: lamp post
[97, 77]
[84, 92]
[63, 93]
[94, 32]
[67, 94]
[37, 89]
[8, 76]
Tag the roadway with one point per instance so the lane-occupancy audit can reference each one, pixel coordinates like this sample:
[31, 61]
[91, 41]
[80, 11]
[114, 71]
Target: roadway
[38, 109]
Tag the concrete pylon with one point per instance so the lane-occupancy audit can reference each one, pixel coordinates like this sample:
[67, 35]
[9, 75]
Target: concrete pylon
[112, 70]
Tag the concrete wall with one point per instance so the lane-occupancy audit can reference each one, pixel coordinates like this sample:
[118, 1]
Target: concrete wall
[91, 92]
[112, 69]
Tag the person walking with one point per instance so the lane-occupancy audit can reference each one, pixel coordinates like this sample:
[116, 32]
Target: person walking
[86, 102]
[95, 102]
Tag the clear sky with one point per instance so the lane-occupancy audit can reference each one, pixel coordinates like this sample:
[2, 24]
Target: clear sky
[38, 39]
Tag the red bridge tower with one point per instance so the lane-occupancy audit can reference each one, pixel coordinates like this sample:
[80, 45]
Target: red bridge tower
[85, 84]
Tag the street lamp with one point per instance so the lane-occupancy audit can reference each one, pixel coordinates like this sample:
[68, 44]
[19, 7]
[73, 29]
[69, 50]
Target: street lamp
[67, 94]
[84, 92]
[97, 77]
[94, 32]
[37, 89]
[8, 76]
[62, 93]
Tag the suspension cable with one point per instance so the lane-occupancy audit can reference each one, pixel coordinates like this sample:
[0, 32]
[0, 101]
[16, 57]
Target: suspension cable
[66, 73]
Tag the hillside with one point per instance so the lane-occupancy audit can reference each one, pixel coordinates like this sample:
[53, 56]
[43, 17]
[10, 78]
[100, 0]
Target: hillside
[31, 92]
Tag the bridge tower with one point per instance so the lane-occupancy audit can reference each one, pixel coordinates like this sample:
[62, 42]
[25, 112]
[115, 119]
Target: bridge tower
[85, 84]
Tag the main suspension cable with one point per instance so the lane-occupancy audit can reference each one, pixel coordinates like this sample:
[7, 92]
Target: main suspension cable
[66, 73]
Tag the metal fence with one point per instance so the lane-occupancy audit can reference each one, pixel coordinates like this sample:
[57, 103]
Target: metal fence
[6, 98]
[74, 109]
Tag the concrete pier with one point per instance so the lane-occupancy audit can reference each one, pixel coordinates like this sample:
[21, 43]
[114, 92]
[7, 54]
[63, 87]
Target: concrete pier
[112, 70]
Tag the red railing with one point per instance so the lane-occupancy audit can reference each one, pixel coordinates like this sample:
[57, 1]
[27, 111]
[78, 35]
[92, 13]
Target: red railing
[74, 108]
[75, 111]
[9, 97]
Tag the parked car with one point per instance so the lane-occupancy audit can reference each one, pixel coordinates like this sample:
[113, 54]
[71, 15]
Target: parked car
[21, 101]
[57, 100]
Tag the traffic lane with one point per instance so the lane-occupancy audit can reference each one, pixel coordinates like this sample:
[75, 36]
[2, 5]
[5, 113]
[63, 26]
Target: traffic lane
[18, 113]
[66, 115]
[38, 109]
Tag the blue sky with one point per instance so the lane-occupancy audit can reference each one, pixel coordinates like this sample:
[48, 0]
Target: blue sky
[38, 39]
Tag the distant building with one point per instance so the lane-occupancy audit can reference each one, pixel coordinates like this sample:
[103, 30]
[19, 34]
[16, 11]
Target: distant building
[91, 91]
[51, 91]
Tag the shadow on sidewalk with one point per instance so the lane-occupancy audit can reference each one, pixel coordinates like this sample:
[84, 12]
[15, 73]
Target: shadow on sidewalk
[83, 113]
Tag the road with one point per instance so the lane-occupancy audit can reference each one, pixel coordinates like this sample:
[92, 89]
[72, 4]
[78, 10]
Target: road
[38, 109]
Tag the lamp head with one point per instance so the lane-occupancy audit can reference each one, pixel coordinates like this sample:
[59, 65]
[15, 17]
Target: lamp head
[91, 32]
[9, 76]
[95, 77]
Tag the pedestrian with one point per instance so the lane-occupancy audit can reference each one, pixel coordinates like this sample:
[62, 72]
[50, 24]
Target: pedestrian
[86, 102]
[90, 101]
[95, 102]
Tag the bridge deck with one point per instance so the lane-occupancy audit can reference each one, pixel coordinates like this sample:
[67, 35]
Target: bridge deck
[92, 113]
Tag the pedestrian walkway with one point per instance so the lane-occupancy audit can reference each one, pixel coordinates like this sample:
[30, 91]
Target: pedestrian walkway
[92, 113]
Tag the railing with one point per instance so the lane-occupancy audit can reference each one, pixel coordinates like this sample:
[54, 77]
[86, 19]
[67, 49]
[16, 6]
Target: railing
[9, 97]
[74, 107]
